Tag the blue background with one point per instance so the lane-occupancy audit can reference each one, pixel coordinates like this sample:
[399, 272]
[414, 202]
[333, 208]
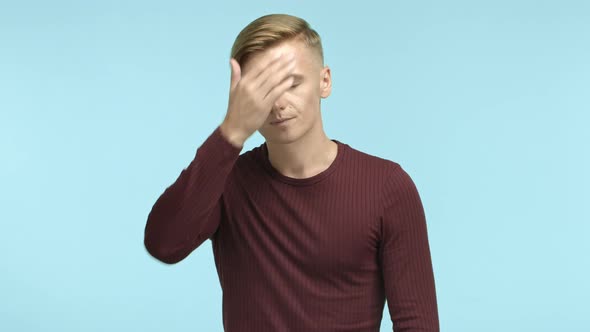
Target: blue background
[484, 103]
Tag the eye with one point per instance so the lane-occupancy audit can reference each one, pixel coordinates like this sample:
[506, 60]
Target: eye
[294, 85]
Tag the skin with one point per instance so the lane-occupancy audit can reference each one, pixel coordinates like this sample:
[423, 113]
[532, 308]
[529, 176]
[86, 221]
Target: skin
[299, 148]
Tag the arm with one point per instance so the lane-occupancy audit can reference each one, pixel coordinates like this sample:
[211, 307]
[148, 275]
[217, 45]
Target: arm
[405, 257]
[189, 211]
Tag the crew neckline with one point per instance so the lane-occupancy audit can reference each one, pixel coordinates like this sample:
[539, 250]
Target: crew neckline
[304, 181]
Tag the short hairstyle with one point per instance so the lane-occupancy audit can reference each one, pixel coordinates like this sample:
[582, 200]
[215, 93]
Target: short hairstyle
[272, 29]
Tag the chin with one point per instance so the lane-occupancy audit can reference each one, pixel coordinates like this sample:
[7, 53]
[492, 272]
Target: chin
[278, 136]
[280, 139]
[285, 137]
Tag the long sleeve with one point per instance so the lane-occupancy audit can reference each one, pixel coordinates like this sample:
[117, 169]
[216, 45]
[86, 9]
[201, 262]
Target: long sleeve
[189, 211]
[405, 257]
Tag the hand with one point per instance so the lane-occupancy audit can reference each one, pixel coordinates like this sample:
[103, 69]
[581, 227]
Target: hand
[251, 96]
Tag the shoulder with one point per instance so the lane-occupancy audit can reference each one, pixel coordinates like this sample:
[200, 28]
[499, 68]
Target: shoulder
[378, 167]
[399, 189]
[390, 175]
[250, 157]
[248, 167]
[391, 179]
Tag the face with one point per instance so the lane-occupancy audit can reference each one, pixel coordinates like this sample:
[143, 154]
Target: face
[301, 102]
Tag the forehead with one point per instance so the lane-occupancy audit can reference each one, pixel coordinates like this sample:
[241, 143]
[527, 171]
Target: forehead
[302, 55]
[286, 47]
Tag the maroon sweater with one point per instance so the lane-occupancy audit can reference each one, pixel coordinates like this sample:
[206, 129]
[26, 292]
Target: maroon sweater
[316, 254]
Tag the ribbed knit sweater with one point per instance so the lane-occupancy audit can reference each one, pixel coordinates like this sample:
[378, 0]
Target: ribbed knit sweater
[318, 254]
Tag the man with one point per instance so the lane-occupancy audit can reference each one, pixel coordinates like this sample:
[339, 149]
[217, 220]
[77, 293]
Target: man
[308, 233]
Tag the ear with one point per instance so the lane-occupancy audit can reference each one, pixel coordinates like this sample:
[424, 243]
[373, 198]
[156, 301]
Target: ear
[325, 82]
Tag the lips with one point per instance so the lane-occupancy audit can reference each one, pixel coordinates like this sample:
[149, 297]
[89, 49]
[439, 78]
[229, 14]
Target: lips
[280, 121]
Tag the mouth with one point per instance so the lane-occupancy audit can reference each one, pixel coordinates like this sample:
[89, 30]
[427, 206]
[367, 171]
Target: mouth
[280, 121]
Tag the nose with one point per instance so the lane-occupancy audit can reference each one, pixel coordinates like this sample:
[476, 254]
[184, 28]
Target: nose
[279, 104]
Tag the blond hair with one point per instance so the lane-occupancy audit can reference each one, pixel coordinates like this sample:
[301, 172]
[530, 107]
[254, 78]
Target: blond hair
[272, 29]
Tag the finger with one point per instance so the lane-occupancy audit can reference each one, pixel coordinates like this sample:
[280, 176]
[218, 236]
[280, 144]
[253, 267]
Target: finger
[272, 70]
[277, 77]
[279, 89]
[259, 64]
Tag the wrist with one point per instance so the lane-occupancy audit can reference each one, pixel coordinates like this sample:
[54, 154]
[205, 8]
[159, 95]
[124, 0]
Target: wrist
[232, 135]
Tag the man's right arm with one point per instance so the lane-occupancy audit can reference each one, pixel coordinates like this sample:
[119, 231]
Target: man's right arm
[189, 210]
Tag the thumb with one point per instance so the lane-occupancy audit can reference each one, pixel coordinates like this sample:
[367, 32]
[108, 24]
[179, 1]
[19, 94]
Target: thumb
[236, 73]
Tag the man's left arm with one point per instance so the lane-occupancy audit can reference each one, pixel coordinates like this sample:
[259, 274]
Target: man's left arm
[405, 257]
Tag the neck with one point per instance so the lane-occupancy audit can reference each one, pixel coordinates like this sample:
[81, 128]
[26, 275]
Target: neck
[309, 155]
